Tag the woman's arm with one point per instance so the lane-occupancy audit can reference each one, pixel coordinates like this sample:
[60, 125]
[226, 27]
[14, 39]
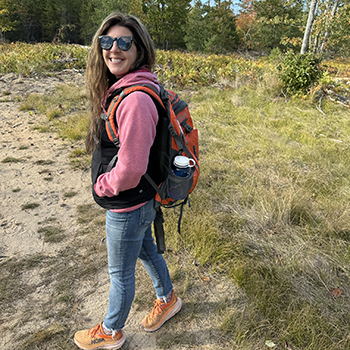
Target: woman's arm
[137, 118]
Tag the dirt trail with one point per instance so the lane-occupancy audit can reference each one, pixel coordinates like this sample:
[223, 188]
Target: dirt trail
[33, 180]
[39, 182]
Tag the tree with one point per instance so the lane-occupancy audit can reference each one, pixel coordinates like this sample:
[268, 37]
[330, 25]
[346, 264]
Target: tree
[245, 23]
[276, 19]
[339, 38]
[28, 15]
[136, 8]
[166, 20]
[224, 36]
[105, 7]
[328, 29]
[44, 20]
[212, 28]
[198, 28]
[60, 21]
[88, 21]
[323, 19]
[93, 12]
[6, 22]
[310, 21]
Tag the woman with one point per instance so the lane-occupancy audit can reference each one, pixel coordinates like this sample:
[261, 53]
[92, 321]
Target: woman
[122, 54]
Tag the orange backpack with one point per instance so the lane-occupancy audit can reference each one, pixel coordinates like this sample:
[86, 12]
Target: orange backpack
[175, 136]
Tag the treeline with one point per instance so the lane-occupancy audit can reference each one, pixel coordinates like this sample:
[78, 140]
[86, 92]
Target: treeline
[209, 27]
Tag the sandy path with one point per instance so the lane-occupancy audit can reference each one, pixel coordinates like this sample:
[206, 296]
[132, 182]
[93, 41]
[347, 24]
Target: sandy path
[37, 182]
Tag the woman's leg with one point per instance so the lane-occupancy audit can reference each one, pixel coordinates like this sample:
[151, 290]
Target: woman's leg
[155, 265]
[125, 236]
[167, 304]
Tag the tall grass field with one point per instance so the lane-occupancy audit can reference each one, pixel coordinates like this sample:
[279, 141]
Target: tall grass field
[271, 210]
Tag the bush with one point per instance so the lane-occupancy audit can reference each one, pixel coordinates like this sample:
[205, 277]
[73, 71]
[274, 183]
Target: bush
[299, 72]
[275, 55]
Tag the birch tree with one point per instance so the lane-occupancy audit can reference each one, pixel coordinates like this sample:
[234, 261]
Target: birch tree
[310, 21]
[329, 24]
[321, 20]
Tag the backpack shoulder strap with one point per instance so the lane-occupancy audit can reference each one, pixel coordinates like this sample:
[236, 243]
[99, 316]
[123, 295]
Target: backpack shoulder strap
[109, 117]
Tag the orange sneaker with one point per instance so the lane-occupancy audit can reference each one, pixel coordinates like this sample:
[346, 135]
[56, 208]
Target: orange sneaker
[161, 313]
[96, 338]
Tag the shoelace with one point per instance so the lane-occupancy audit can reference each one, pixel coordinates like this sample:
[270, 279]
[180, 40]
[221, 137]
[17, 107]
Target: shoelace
[157, 309]
[95, 329]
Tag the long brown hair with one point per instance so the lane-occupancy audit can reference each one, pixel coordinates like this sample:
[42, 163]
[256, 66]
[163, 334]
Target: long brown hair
[98, 76]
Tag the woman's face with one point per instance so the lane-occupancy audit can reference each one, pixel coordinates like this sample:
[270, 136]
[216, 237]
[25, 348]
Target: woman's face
[119, 62]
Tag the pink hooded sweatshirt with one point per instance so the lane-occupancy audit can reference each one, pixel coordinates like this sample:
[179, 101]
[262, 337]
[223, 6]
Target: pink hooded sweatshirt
[137, 118]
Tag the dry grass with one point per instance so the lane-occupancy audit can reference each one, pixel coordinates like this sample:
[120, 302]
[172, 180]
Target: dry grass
[65, 109]
[272, 211]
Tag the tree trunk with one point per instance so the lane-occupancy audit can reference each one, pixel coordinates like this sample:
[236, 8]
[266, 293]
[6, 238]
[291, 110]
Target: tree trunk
[328, 31]
[308, 28]
[317, 38]
[163, 27]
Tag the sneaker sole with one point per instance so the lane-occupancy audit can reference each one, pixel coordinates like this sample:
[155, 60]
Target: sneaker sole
[173, 312]
[117, 345]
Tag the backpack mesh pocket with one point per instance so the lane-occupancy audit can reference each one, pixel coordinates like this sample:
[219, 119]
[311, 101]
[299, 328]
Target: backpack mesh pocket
[178, 187]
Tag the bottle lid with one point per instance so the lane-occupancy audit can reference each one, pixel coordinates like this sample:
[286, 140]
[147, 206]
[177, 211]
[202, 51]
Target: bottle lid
[181, 161]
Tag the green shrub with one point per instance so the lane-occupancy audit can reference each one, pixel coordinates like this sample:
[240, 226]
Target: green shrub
[275, 55]
[299, 72]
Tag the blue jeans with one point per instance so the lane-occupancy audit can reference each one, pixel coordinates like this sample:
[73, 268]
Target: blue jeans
[129, 236]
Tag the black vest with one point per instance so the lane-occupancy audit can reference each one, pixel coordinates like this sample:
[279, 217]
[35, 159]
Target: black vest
[143, 192]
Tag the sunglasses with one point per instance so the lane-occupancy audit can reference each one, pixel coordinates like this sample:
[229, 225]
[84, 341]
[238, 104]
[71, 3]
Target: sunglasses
[123, 42]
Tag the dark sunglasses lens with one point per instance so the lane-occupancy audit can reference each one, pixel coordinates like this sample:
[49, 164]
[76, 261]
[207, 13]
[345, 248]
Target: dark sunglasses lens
[106, 42]
[124, 43]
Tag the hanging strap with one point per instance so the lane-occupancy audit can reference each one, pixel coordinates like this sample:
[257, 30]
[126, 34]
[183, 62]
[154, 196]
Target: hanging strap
[159, 231]
[187, 199]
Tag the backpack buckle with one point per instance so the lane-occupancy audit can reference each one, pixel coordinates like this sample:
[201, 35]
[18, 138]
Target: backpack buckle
[104, 116]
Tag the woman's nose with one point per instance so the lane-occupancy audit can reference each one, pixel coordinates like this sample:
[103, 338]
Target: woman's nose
[115, 47]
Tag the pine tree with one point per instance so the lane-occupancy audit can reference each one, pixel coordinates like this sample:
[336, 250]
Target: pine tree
[198, 28]
[166, 21]
[223, 36]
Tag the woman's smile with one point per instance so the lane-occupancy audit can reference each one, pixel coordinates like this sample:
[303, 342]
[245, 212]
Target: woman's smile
[119, 62]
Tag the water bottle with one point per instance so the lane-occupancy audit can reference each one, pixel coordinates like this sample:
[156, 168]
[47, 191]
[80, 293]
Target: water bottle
[182, 166]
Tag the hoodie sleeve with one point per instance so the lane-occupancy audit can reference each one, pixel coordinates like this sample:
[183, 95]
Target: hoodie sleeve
[137, 118]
